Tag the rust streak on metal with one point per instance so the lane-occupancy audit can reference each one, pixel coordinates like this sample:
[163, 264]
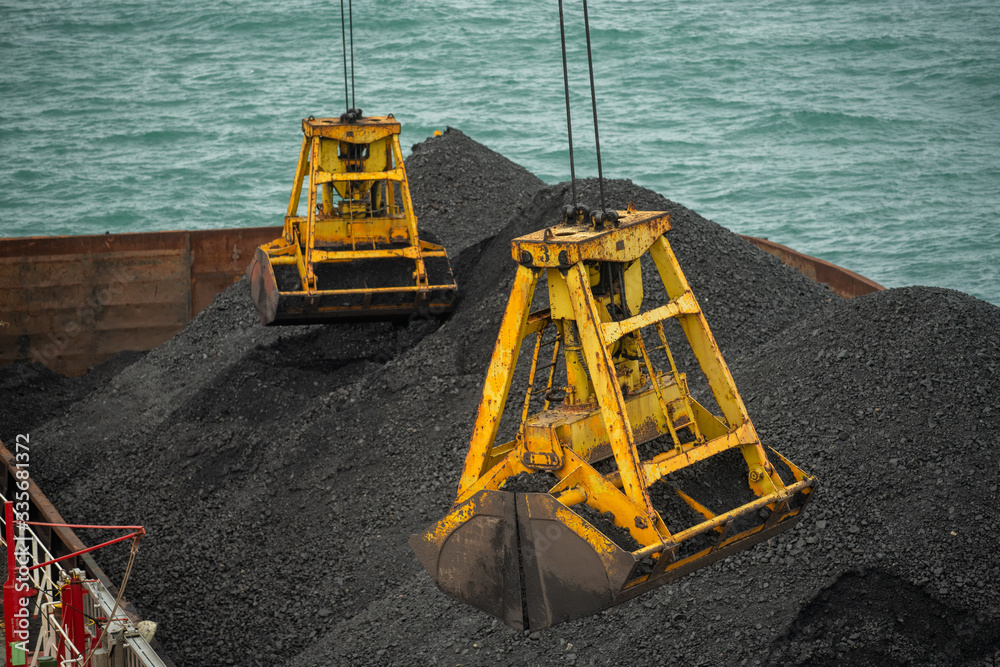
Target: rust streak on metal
[71, 302]
[844, 282]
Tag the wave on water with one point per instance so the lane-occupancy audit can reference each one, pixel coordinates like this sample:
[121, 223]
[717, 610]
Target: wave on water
[863, 133]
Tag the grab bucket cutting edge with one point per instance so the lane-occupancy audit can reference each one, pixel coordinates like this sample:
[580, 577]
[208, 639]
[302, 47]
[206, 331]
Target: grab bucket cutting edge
[532, 562]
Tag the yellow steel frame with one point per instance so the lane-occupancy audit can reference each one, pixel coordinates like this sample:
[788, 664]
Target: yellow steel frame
[599, 418]
[353, 230]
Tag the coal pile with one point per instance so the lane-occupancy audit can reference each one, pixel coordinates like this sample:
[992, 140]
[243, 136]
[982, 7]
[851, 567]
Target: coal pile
[32, 393]
[456, 197]
[280, 471]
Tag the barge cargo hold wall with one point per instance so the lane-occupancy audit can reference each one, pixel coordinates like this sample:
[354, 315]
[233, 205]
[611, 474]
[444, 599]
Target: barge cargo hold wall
[71, 302]
[844, 282]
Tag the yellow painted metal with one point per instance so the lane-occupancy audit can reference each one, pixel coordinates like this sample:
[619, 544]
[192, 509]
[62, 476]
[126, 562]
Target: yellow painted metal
[614, 400]
[498, 377]
[608, 392]
[358, 209]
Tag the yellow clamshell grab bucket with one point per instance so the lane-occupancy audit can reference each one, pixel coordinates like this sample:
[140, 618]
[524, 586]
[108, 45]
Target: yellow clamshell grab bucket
[356, 253]
[621, 481]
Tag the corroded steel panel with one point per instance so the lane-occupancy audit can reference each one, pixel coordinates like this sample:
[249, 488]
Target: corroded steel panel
[71, 302]
[844, 282]
[219, 257]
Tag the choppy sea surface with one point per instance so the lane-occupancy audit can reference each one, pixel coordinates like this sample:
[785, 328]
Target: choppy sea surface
[864, 132]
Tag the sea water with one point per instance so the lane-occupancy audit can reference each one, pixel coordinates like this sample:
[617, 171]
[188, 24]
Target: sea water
[863, 132]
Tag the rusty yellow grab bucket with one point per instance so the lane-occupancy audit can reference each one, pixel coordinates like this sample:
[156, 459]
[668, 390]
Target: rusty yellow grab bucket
[356, 253]
[633, 482]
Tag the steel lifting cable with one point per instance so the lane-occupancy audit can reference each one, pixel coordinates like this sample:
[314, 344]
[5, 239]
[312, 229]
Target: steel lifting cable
[343, 34]
[347, 24]
[350, 18]
[569, 123]
[593, 102]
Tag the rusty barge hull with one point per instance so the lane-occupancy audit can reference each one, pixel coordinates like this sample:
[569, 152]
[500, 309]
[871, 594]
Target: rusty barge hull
[72, 302]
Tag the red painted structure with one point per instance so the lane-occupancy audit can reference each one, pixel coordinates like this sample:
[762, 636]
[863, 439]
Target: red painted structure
[73, 621]
[17, 587]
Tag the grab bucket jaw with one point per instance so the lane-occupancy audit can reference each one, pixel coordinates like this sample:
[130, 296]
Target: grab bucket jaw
[529, 560]
[524, 558]
[343, 293]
